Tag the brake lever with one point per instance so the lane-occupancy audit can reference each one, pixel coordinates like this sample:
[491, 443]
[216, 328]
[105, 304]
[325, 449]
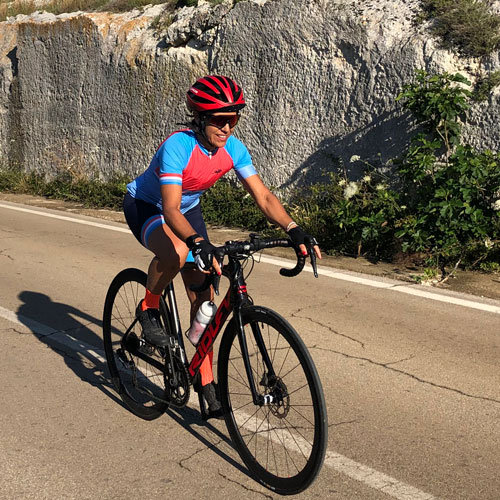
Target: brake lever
[219, 255]
[215, 283]
[314, 266]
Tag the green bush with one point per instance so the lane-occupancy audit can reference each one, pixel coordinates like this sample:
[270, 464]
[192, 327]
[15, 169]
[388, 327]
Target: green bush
[226, 204]
[468, 25]
[485, 85]
[454, 210]
[452, 191]
[187, 3]
[349, 217]
[8, 9]
[438, 102]
[92, 193]
[89, 192]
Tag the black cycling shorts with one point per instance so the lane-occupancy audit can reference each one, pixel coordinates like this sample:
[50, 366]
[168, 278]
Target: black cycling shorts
[143, 218]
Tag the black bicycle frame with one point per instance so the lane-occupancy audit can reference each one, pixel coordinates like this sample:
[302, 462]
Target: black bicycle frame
[235, 299]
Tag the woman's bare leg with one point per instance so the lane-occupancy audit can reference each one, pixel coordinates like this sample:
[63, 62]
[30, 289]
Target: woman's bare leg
[191, 276]
[170, 255]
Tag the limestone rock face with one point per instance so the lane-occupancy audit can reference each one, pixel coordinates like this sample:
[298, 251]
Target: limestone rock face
[92, 93]
[322, 77]
[97, 92]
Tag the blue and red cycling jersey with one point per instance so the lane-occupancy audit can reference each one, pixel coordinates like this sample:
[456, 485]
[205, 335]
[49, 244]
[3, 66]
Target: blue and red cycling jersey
[183, 161]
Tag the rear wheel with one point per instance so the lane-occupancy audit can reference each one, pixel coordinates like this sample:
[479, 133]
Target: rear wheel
[282, 439]
[137, 368]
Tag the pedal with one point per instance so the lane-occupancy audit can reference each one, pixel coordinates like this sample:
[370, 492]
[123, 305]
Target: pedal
[131, 343]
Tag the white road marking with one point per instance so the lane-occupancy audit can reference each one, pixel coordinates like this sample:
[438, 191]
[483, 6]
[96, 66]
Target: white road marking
[359, 472]
[31, 324]
[394, 286]
[362, 473]
[66, 218]
[374, 479]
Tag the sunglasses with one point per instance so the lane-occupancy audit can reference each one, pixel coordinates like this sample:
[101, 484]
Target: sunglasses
[221, 121]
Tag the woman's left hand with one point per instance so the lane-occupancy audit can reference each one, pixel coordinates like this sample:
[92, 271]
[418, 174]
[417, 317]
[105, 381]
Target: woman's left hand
[304, 241]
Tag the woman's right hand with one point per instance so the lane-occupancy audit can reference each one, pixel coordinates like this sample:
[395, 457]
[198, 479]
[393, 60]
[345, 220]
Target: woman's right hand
[204, 256]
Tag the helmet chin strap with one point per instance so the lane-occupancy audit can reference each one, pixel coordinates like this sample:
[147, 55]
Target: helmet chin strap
[202, 124]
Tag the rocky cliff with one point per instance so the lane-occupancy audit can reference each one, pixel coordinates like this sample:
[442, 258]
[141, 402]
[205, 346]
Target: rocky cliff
[97, 92]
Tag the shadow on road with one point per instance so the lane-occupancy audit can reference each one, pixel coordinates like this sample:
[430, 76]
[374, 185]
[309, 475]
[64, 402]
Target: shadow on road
[68, 331]
[189, 418]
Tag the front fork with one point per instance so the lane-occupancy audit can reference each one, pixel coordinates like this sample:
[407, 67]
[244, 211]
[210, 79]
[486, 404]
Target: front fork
[242, 300]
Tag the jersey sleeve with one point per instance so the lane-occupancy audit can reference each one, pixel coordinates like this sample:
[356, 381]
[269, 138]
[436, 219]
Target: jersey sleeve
[242, 160]
[173, 156]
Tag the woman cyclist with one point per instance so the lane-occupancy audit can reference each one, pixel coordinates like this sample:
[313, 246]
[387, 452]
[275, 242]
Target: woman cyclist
[162, 206]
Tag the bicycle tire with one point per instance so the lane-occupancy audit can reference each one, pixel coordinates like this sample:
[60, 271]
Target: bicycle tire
[283, 444]
[140, 383]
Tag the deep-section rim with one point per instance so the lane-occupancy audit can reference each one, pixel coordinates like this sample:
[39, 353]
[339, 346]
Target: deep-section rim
[302, 480]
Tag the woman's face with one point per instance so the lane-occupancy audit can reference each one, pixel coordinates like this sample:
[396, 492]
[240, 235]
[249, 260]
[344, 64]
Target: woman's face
[219, 128]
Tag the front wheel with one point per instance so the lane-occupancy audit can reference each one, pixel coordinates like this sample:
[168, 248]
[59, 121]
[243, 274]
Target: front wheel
[282, 439]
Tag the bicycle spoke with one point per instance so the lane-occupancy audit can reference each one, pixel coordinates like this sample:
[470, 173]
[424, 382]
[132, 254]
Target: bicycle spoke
[136, 367]
[250, 403]
[278, 438]
[290, 371]
[293, 407]
[290, 393]
[243, 380]
[296, 440]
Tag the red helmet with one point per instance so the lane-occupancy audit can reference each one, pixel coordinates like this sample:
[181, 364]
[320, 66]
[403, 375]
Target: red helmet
[215, 93]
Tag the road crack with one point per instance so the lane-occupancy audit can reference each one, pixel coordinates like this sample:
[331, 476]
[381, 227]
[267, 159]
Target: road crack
[336, 424]
[2, 254]
[197, 452]
[407, 374]
[327, 327]
[265, 495]
[19, 332]
[400, 360]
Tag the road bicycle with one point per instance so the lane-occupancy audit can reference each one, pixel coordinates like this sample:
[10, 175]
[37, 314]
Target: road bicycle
[270, 392]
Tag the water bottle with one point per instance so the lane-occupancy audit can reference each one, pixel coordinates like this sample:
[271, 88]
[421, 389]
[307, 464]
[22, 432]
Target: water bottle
[203, 317]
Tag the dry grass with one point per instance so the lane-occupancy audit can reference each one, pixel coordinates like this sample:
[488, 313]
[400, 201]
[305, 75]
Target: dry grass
[17, 7]
[13, 8]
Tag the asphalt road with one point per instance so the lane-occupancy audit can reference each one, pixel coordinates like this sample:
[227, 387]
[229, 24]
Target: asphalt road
[411, 379]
